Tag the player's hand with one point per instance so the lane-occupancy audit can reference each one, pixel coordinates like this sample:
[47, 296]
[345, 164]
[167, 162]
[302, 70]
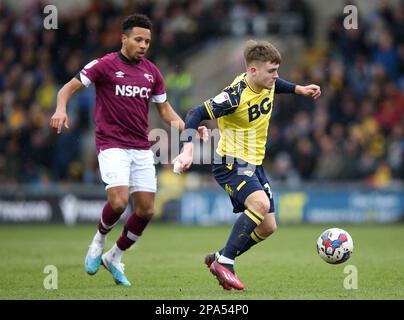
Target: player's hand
[312, 90]
[58, 120]
[185, 157]
[203, 133]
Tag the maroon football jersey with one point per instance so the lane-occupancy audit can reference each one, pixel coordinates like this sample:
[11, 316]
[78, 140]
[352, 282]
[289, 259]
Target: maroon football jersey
[123, 91]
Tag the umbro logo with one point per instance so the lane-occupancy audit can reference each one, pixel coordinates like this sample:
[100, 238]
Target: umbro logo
[119, 74]
[149, 77]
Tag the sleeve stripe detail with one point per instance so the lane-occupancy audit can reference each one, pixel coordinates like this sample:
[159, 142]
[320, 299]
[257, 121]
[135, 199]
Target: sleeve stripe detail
[231, 103]
[159, 98]
[209, 110]
[84, 80]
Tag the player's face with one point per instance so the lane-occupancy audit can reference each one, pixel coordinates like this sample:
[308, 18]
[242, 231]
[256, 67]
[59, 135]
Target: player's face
[136, 42]
[266, 74]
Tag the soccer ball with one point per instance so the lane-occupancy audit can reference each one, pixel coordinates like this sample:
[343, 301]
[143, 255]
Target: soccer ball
[335, 246]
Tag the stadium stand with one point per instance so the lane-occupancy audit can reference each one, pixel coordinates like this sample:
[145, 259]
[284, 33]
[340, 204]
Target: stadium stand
[355, 132]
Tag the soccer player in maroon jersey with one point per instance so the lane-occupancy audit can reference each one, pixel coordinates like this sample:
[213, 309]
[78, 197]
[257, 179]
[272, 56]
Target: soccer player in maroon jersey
[125, 82]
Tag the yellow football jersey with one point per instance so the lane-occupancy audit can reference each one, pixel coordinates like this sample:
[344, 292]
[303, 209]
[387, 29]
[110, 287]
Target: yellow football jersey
[243, 117]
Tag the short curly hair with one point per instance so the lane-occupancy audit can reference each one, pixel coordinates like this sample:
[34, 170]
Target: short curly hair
[136, 20]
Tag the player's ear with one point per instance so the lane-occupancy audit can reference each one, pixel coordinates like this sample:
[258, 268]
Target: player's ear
[124, 38]
[253, 69]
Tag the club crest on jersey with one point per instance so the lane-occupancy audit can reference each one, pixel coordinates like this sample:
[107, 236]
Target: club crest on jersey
[119, 74]
[149, 77]
[221, 97]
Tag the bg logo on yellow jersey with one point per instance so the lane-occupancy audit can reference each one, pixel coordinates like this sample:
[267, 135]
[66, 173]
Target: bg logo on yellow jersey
[256, 110]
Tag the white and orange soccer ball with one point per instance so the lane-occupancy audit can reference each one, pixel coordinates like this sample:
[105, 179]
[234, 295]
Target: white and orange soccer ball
[335, 246]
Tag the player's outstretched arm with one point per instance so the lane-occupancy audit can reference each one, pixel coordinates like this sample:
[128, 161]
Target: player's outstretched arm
[312, 90]
[60, 117]
[284, 86]
[192, 121]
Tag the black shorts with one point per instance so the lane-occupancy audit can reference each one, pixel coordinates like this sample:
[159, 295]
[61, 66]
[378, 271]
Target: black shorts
[239, 179]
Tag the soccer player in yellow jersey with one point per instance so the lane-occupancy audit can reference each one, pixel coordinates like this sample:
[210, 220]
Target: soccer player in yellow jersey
[243, 111]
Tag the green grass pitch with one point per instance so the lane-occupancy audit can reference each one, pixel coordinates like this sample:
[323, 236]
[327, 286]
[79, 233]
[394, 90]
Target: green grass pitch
[168, 264]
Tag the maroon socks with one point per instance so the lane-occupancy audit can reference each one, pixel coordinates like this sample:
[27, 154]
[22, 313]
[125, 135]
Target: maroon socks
[108, 219]
[132, 230]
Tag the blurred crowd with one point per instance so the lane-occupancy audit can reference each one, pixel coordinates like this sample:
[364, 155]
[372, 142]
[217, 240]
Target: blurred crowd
[355, 131]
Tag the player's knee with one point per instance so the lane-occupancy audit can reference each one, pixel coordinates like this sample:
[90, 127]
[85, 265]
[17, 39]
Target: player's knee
[146, 215]
[145, 212]
[119, 204]
[261, 206]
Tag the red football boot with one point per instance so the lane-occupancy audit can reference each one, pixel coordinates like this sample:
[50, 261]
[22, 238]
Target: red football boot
[208, 261]
[225, 276]
[210, 258]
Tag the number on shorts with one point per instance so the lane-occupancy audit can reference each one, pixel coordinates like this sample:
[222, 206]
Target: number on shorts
[268, 190]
